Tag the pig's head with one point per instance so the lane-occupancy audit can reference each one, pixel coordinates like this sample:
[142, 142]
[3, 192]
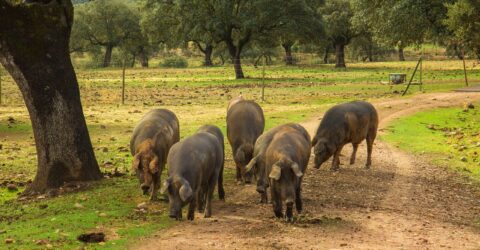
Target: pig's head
[179, 194]
[284, 177]
[145, 164]
[322, 151]
[242, 157]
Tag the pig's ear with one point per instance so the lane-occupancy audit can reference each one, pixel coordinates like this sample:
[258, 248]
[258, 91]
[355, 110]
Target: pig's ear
[276, 172]
[136, 162]
[165, 186]
[185, 191]
[154, 165]
[251, 164]
[296, 170]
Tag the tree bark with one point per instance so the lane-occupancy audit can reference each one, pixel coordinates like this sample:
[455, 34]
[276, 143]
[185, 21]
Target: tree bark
[340, 55]
[235, 52]
[325, 55]
[108, 56]
[208, 55]
[288, 54]
[134, 57]
[143, 58]
[34, 48]
[401, 55]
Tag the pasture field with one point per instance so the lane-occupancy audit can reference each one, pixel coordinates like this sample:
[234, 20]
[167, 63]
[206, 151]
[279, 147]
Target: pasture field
[198, 96]
[448, 136]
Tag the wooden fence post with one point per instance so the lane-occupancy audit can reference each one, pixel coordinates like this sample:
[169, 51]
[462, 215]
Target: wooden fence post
[123, 80]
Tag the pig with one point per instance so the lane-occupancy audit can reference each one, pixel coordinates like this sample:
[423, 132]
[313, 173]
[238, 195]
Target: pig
[217, 133]
[286, 160]
[245, 123]
[152, 138]
[257, 164]
[345, 123]
[195, 166]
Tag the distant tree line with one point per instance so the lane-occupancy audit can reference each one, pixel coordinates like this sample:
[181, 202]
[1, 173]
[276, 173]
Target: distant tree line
[235, 30]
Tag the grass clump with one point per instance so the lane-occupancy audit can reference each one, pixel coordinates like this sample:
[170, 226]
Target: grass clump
[175, 62]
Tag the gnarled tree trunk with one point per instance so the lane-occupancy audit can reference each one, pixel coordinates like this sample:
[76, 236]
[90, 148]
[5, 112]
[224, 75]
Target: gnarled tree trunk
[143, 58]
[108, 56]
[288, 54]
[235, 52]
[340, 55]
[401, 55]
[34, 48]
[208, 55]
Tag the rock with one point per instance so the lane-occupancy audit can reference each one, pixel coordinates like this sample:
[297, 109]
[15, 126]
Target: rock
[92, 237]
[12, 187]
[9, 241]
[78, 205]
[142, 205]
[41, 242]
[464, 159]
[102, 215]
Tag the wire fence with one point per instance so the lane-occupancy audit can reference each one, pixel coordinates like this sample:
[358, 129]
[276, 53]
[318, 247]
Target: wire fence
[122, 83]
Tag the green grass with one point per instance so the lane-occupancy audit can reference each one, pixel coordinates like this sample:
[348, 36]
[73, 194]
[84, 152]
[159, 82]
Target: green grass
[107, 206]
[448, 136]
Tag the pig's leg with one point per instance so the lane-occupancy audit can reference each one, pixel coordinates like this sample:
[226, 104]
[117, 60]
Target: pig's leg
[298, 199]
[370, 140]
[208, 200]
[221, 191]
[191, 208]
[277, 204]
[156, 187]
[201, 201]
[354, 153]
[336, 158]
[239, 172]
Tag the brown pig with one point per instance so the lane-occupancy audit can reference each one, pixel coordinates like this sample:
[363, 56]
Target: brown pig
[152, 138]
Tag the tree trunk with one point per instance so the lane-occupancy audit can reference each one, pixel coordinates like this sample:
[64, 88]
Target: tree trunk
[340, 56]
[108, 56]
[288, 54]
[132, 63]
[325, 55]
[34, 49]
[401, 55]
[237, 64]
[208, 55]
[143, 58]
[370, 53]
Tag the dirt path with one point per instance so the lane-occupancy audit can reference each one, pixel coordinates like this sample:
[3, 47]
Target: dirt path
[401, 202]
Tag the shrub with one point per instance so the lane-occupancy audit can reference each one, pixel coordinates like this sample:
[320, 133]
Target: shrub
[174, 62]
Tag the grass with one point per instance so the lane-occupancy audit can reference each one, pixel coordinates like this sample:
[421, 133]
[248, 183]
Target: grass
[198, 96]
[448, 136]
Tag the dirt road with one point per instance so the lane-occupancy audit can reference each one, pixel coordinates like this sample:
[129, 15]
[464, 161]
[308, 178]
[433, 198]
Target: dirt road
[401, 202]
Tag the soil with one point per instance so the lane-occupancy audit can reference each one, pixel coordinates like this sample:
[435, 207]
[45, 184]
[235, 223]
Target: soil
[402, 202]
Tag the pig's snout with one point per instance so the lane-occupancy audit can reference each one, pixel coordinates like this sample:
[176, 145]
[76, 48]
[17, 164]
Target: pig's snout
[145, 189]
[175, 215]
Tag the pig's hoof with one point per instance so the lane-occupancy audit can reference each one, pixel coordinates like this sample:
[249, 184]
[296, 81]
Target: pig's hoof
[367, 166]
[335, 169]
[289, 219]
[154, 198]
